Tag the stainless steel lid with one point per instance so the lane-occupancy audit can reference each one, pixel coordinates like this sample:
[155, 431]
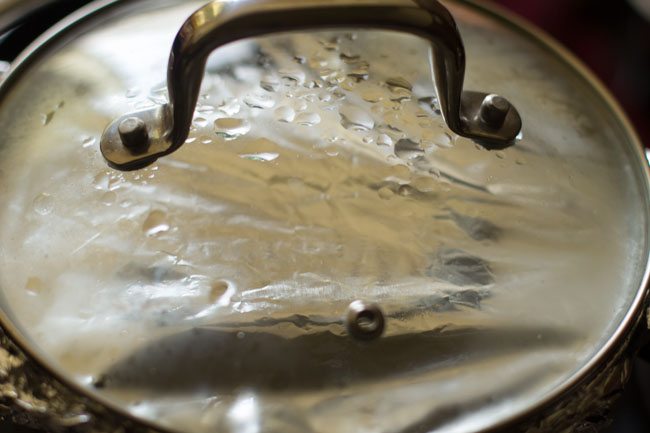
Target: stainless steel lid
[212, 290]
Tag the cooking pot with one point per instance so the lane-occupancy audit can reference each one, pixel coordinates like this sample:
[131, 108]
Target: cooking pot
[310, 216]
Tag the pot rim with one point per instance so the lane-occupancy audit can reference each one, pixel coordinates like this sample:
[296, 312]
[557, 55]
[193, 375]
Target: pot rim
[103, 8]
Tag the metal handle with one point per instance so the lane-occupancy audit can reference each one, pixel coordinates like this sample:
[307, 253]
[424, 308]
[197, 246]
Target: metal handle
[138, 139]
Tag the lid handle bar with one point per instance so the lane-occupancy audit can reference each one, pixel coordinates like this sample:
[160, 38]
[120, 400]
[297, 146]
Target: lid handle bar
[487, 118]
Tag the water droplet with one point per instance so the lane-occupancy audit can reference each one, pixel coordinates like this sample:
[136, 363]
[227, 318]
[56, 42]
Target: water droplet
[259, 101]
[500, 155]
[328, 74]
[35, 286]
[391, 130]
[431, 138]
[205, 109]
[43, 204]
[314, 84]
[155, 223]
[349, 84]
[405, 190]
[284, 114]
[428, 101]
[200, 122]
[384, 140]
[424, 183]
[353, 117]
[47, 118]
[308, 119]
[337, 95]
[331, 45]
[300, 105]
[399, 82]
[295, 76]
[393, 120]
[401, 171]
[443, 140]
[108, 198]
[317, 62]
[359, 74]
[262, 156]
[378, 109]
[241, 335]
[88, 142]
[408, 149]
[132, 92]
[399, 94]
[348, 57]
[230, 107]
[217, 290]
[332, 151]
[231, 128]
[520, 161]
[385, 193]
[102, 181]
[270, 83]
[372, 94]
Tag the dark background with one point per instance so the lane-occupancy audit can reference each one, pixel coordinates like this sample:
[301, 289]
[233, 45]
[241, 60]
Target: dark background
[611, 37]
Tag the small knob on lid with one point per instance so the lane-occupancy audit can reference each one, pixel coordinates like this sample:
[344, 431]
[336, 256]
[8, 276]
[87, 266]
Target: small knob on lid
[133, 133]
[494, 109]
[365, 321]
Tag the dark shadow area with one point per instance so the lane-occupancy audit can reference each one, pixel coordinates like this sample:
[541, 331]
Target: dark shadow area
[632, 412]
[228, 360]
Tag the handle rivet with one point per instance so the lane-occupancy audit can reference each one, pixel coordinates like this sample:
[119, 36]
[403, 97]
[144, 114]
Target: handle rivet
[494, 109]
[365, 321]
[133, 133]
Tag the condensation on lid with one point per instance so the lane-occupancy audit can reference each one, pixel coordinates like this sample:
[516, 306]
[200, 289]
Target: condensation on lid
[209, 290]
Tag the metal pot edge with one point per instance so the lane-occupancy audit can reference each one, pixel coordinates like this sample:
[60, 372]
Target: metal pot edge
[614, 353]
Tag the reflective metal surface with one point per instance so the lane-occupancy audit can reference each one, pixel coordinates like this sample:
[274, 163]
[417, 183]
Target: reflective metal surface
[469, 114]
[208, 291]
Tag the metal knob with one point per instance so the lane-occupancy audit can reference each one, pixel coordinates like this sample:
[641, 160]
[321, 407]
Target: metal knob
[133, 133]
[494, 110]
[365, 321]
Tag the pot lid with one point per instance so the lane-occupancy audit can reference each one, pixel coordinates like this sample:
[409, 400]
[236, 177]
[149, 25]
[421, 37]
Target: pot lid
[239, 283]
